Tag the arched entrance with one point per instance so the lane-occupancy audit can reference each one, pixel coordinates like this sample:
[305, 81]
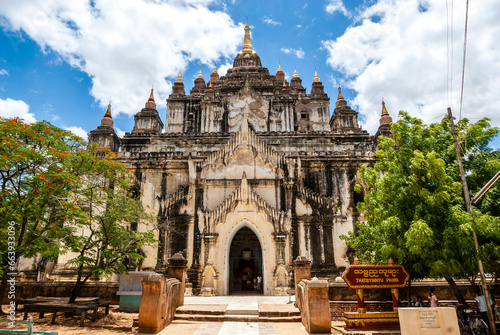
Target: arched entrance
[245, 262]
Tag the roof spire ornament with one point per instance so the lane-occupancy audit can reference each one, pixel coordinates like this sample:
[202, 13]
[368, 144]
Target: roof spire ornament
[385, 118]
[200, 75]
[284, 85]
[151, 101]
[295, 74]
[215, 69]
[384, 110]
[107, 120]
[316, 78]
[340, 96]
[108, 111]
[279, 66]
[179, 77]
[151, 96]
[340, 103]
[247, 43]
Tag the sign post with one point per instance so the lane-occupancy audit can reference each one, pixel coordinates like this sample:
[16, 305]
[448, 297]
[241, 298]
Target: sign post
[365, 276]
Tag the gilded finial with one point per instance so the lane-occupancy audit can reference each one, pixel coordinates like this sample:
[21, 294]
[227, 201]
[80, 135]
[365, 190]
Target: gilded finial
[210, 85]
[179, 77]
[279, 67]
[284, 84]
[340, 97]
[295, 74]
[247, 43]
[384, 110]
[151, 97]
[108, 111]
[215, 69]
[200, 75]
[316, 78]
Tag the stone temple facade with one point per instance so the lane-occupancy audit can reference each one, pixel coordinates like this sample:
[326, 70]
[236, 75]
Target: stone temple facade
[248, 172]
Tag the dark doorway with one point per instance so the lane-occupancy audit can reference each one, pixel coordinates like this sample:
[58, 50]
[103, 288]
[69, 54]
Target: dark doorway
[245, 262]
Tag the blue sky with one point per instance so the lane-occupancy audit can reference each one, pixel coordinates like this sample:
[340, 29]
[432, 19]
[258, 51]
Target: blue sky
[64, 61]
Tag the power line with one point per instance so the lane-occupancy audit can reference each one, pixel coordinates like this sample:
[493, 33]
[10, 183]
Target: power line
[463, 62]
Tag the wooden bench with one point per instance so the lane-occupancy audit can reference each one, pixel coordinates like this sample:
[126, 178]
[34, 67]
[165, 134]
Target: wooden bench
[75, 308]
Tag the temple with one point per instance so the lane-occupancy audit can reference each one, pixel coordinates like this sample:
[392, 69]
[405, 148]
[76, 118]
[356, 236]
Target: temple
[249, 172]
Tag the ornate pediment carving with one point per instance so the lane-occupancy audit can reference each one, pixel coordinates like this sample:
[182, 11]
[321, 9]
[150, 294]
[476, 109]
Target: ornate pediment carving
[245, 152]
[244, 195]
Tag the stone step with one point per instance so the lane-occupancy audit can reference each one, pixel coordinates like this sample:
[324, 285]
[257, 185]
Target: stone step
[238, 312]
[234, 318]
[279, 314]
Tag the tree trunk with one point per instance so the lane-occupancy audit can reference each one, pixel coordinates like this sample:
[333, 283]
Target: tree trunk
[75, 291]
[3, 288]
[457, 292]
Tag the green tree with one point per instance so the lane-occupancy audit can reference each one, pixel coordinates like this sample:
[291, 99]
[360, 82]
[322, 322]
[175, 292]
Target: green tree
[34, 200]
[414, 206]
[58, 193]
[102, 243]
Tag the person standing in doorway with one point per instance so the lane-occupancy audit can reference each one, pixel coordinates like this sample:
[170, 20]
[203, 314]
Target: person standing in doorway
[259, 283]
[433, 300]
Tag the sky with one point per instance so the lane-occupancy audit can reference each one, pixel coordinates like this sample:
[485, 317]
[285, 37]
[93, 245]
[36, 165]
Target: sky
[64, 61]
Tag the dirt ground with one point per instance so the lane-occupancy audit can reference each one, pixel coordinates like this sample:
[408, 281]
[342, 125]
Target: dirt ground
[115, 322]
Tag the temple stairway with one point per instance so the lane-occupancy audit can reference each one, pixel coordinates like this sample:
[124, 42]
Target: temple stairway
[237, 309]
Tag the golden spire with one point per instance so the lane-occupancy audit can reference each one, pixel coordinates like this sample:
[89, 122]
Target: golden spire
[247, 43]
[215, 69]
[151, 97]
[340, 95]
[200, 75]
[210, 85]
[179, 77]
[284, 84]
[384, 110]
[279, 67]
[316, 78]
[295, 74]
[108, 111]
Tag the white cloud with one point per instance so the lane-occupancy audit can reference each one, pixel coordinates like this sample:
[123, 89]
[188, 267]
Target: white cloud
[336, 6]
[129, 47]
[4, 72]
[299, 26]
[299, 53]
[402, 57]
[78, 131]
[119, 132]
[222, 70]
[11, 108]
[268, 20]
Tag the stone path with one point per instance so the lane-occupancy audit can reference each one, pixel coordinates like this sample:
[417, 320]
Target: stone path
[237, 305]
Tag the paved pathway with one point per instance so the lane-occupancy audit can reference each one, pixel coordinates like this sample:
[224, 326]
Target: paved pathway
[236, 304]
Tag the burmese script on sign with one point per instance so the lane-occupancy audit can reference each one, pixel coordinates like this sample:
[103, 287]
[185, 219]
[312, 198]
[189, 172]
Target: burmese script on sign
[376, 276]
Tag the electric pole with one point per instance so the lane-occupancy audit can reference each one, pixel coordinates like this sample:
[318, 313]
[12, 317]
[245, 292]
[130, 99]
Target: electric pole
[474, 235]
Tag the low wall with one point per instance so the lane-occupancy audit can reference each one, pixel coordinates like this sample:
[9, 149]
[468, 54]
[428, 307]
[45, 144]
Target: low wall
[105, 290]
[312, 301]
[160, 299]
